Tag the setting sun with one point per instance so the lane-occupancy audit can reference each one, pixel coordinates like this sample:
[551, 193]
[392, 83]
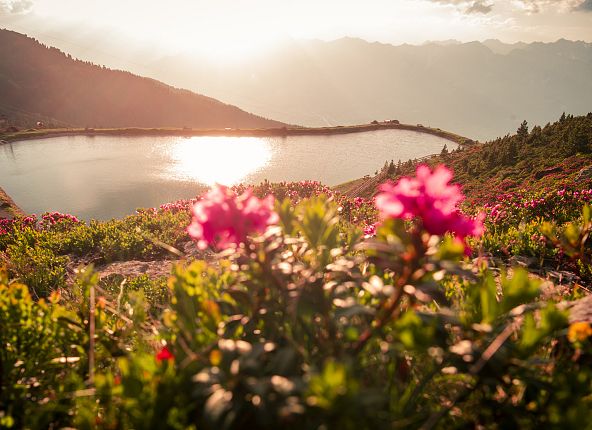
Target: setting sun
[241, 156]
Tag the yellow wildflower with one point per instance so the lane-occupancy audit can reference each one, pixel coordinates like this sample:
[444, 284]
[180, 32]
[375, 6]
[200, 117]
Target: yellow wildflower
[579, 331]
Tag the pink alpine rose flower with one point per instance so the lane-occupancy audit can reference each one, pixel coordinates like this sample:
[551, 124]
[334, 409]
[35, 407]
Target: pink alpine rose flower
[370, 230]
[222, 219]
[430, 197]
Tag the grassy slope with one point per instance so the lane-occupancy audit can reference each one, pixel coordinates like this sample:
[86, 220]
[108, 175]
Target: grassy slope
[546, 158]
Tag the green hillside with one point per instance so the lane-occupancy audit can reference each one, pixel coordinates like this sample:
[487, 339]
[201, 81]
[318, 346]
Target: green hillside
[547, 158]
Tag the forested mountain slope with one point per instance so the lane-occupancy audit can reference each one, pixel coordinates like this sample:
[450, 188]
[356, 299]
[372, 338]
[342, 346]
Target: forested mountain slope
[40, 83]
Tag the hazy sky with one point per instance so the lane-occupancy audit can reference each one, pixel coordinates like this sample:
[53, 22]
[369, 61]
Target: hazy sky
[239, 27]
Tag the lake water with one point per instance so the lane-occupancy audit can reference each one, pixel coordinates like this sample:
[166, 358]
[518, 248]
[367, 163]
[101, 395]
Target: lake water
[108, 176]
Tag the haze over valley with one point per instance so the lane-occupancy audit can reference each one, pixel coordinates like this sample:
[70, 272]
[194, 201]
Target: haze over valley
[41, 83]
[480, 90]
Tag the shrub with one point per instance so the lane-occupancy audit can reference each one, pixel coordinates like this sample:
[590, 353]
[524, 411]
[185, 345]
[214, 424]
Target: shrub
[39, 359]
[37, 267]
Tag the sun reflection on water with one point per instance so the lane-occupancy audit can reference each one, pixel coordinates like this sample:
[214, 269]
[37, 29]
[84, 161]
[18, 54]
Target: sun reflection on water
[222, 160]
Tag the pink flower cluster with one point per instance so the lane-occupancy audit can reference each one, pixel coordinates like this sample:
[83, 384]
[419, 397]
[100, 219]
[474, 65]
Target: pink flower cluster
[5, 225]
[292, 190]
[431, 198]
[29, 220]
[179, 205]
[370, 230]
[359, 201]
[515, 207]
[48, 220]
[533, 203]
[51, 218]
[222, 219]
[496, 212]
[585, 195]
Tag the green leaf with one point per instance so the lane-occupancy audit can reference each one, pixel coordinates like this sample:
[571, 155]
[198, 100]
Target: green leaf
[586, 214]
[451, 249]
[413, 332]
[518, 290]
[551, 320]
[490, 308]
[285, 211]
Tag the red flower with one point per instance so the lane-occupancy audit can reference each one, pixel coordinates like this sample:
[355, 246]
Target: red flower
[164, 355]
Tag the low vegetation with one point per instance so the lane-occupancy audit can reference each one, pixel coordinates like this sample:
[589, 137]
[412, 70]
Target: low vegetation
[538, 161]
[313, 308]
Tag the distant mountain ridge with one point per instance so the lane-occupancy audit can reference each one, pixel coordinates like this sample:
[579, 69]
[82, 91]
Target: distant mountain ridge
[478, 89]
[39, 83]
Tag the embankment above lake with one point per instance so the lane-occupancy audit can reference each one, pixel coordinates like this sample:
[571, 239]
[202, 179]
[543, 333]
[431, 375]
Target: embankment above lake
[11, 136]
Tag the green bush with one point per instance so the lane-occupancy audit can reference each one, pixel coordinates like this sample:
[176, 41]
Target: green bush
[39, 359]
[37, 267]
[155, 291]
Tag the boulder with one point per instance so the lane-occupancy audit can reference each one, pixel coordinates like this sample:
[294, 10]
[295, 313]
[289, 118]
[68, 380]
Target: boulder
[542, 173]
[585, 173]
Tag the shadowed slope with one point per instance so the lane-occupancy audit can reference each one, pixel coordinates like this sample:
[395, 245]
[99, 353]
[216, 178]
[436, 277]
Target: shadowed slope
[37, 83]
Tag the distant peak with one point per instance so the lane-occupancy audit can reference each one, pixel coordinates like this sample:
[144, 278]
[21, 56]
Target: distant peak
[443, 42]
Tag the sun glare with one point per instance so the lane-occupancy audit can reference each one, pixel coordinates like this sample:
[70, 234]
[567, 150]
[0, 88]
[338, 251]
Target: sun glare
[234, 41]
[221, 160]
[231, 48]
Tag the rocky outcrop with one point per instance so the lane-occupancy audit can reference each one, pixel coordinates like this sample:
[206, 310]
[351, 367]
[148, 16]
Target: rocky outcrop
[133, 268]
[585, 173]
[549, 171]
[8, 208]
[152, 268]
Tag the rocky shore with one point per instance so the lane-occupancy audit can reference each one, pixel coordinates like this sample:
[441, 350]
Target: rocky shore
[8, 208]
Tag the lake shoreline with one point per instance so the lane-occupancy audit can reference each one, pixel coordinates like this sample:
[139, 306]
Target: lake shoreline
[9, 137]
[9, 209]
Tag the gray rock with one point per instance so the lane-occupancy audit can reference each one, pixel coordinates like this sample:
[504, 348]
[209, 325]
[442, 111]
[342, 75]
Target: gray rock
[585, 173]
[133, 268]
